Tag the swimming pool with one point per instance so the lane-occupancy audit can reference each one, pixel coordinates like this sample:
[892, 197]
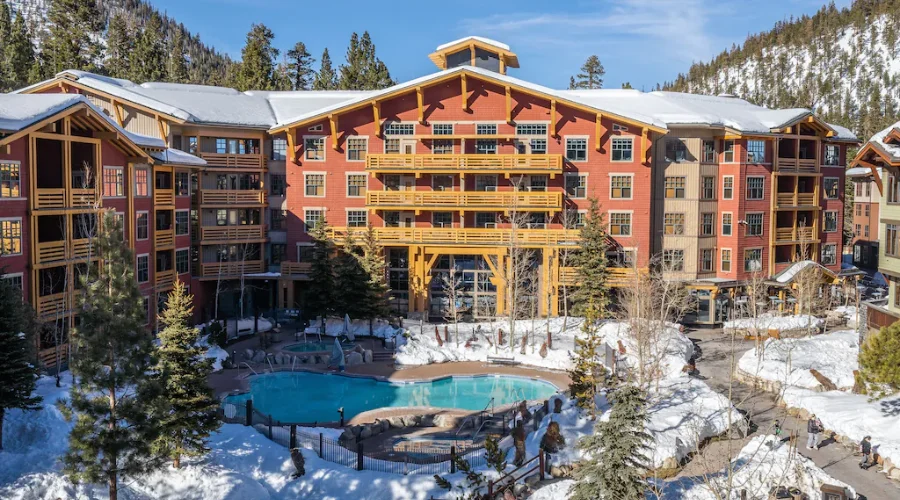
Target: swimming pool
[315, 347]
[315, 397]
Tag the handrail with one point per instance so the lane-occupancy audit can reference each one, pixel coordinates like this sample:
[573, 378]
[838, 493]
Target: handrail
[511, 474]
[248, 367]
[269, 360]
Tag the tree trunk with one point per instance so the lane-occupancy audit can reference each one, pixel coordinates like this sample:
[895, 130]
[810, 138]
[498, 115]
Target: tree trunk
[2, 412]
[177, 461]
[113, 486]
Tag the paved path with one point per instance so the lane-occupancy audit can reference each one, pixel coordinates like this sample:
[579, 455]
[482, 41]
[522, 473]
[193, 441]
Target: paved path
[838, 461]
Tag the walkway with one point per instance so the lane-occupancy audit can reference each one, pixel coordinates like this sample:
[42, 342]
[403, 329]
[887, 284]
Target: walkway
[838, 461]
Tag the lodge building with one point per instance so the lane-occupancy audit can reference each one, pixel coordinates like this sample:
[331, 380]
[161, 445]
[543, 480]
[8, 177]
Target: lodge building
[221, 188]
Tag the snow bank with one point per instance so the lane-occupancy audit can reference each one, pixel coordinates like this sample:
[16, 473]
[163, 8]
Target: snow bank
[671, 349]
[763, 463]
[788, 361]
[849, 313]
[854, 416]
[769, 321]
[213, 351]
[334, 327]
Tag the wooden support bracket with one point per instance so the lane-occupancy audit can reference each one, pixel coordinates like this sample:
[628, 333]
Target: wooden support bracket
[465, 94]
[420, 103]
[333, 120]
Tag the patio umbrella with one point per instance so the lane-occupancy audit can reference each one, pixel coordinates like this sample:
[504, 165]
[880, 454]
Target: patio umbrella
[337, 355]
[347, 331]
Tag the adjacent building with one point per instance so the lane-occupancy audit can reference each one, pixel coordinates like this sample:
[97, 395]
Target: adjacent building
[866, 221]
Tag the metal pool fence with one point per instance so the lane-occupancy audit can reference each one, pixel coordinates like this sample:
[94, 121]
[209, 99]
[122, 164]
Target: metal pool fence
[412, 459]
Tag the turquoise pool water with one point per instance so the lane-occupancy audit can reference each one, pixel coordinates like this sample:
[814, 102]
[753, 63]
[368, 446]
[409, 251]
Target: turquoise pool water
[316, 347]
[303, 397]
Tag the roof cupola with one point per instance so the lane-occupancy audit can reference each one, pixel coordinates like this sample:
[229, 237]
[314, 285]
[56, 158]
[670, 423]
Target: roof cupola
[475, 51]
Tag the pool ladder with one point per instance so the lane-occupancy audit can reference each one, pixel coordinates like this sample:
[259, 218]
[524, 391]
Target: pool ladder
[248, 367]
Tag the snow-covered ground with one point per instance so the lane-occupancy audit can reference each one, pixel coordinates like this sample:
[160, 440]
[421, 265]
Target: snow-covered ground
[787, 362]
[213, 351]
[849, 313]
[334, 327]
[767, 321]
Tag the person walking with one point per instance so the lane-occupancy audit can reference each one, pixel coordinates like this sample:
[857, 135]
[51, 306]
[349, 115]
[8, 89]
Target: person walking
[865, 446]
[813, 428]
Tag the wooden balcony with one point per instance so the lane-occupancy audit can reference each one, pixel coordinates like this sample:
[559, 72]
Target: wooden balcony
[795, 235]
[83, 198]
[467, 236]
[802, 165]
[232, 197]
[55, 304]
[618, 276]
[48, 357]
[462, 200]
[50, 251]
[50, 198]
[81, 249]
[227, 269]
[247, 161]
[295, 268]
[788, 200]
[164, 238]
[165, 279]
[465, 163]
[163, 197]
[232, 234]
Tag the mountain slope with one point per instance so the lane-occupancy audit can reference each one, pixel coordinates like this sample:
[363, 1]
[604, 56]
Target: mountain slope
[844, 63]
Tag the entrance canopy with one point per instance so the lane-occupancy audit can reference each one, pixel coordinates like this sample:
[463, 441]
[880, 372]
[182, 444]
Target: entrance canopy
[790, 274]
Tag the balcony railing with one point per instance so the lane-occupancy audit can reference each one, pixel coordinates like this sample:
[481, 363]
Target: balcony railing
[219, 160]
[165, 238]
[57, 303]
[795, 165]
[48, 357]
[232, 197]
[83, 198]
[50, 198]
[800, 200]
[793, 234]
[498, 200]
[215, 269]
[467, 236]
[465, 163]
[81, 248]
[163, 197]
[232, 233]
[293, 268]
[53, 251]
[165, 279]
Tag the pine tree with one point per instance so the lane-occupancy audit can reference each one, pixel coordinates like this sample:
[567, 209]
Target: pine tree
[5, 34]
[188, 411]
[590, 261]
[119, 46]
[20, 57]
[351, 73]
[378, 291]
[587, 369]
[879, 362]
[616, 453]
[591, 76]
[363, 70]
[17, 375]
[351, 279]
[73, 41]
[257, 71]
[112, 397]
[627, 85]
[572, 83]
[177, 64]
[326, 78]
[148, 63]
[299, 67]
[320, 290]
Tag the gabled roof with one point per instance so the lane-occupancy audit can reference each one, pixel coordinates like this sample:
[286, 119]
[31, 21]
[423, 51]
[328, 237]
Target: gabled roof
[19, 112]
[882, 146]
[439, 56]
[791, 272]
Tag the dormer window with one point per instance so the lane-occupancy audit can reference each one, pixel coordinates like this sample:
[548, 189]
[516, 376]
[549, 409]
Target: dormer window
[475, 51]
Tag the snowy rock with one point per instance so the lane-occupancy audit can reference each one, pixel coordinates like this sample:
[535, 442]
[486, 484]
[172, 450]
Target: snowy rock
[365, 432]
[396, 422]
[354, 358]
[367, 356]
[248, 354]
[347, 436]
[385, 425]
[895, 474]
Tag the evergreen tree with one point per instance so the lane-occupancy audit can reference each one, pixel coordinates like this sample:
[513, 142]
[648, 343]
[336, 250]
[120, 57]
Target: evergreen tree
[616, 453]
[591, 76]
[111, 397]
[351, 73]
[572, 83]
[378, 291]
[320, 290]
[119, 46]
[363, 70]
[177, 64]
[326, 78]
[590, 261]
[587, 369]
[75, 30]
[257, 70]
[188, 411]
[5, 34]
[350, 279]
[19, 55]
[17, 375]
[299, 67]
[879, 362]
[627, 85]
[148, 63]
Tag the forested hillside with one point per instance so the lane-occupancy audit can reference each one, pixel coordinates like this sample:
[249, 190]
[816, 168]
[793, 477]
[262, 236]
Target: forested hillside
[844, 63]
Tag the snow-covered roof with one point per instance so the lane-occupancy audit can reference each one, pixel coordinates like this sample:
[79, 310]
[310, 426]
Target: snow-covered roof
[858, 172]
[171, 156]
[286, 105]
[791, 272]
[488, 41]
[18, 112]
[891, 149]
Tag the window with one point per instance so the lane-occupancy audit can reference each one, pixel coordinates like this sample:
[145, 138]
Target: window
[113, 181]
[673, 223]
[141, 182]
[182, 261]
[867, 207]
[576, 149]
[356, 148]
[531, 129]
[755, 188]
[312, 219]
[485, 219]
[143, 268]
[753, 259]
[485, 183]
[831, 188]
[391, 146]
[866, 231]
[706, 260]
[279, 149]
[442, 147]
[442, 129]
[279, 182]
[676, 150]
[314, 148]
[538, 146]
[537, 183]
[857, 230]
[357, 218]
[620, 186]
[576, 185]
[729, 151]
[891, 246]
[442, 219]
[707, 224]
[181, 222]
[9, 180]
[619, 128]
[674, 187]
[221, 145]
[315, 184]
[673, 260]
[221, 217]
[829, 254]
[182, 184]
[754, 224]
[620, 224]
[485, 147]
[580, 220]
[486, 129]
[728, 187]
[707, 188]
[277, 252]
[756, 151]
[726, 224]
[621, 149]
[832, 154]
[726, 260]
[143, 225]
[356, 185]
[276, 219]
[709, 152]
[395, 128]
[893, 189]
[831, 218]
[10, 237]
[14, 280]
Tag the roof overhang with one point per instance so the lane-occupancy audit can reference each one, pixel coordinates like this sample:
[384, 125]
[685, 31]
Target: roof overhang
[808, 119]
[439, 57]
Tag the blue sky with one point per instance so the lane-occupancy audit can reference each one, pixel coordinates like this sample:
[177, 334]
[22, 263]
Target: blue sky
[640, 41]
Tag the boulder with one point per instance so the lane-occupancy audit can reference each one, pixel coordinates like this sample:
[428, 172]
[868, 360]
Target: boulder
[670, 463]
[888, 465]
[367, 356]
[802, 414]
[895, 474]
[532, 480]
[248, 354]
[259, 357]
[385, 425]
[427, 421]
[365, 433]
[347, 436]
[355, 430]
[354, 358]
[396, 422]
[374, 429]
